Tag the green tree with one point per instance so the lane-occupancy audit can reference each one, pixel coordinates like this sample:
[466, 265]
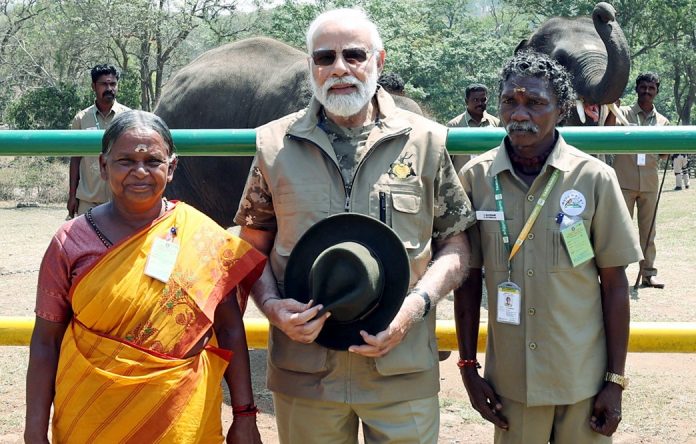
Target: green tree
[47, 107]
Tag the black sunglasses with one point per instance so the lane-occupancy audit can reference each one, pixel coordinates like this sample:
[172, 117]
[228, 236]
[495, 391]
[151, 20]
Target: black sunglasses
[352, 56]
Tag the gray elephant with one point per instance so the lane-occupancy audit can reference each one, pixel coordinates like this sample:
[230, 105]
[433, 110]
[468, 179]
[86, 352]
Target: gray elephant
[239, 85]
[595, 52]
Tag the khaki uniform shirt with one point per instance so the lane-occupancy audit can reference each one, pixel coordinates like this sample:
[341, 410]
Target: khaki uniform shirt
[631, 175]
[91, 187]
[557, 355]
[296, 181]
[466, 121]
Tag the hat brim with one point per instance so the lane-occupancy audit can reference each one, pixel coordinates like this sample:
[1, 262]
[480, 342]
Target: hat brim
[382, 241]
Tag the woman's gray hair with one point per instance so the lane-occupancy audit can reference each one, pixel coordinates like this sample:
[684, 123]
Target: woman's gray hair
[136, 119]
[344, 15]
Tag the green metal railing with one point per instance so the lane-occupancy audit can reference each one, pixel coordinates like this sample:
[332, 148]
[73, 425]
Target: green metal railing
[242, 142]
[667, 337]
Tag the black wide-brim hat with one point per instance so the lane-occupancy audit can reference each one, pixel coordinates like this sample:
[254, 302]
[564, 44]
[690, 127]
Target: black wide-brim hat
[386, 248]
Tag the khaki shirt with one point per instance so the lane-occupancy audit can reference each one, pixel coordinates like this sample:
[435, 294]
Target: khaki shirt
[91, 187]
[466, 121]
[557, 355]
[296, 181]
[631, 175]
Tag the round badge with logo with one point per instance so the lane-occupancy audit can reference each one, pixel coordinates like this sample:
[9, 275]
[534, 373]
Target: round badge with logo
[573, 203]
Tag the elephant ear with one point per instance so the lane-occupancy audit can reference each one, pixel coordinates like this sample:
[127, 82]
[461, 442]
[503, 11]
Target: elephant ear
[521, 46]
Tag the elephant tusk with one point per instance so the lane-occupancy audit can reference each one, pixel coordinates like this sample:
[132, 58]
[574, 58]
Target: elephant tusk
[581, 110]
[619, 116]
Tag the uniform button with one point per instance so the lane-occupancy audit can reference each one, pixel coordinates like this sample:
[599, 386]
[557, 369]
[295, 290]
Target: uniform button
[530, 198]
[532, 346]
[530, 236]
[530, 272]
[531, 311]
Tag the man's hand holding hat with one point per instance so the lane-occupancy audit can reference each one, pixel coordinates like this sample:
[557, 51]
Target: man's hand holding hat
[383, 342]
[297, 320]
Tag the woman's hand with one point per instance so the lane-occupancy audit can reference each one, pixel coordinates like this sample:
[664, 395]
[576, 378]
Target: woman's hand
[243, 430]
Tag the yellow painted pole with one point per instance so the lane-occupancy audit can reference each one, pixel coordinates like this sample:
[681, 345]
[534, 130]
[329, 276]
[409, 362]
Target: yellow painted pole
[646, 337]
[15, 330]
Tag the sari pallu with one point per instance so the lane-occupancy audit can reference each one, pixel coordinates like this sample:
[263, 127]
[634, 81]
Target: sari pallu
[122, 375]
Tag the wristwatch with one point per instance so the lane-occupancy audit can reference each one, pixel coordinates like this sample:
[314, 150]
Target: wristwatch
[621, 380]
[426, 300]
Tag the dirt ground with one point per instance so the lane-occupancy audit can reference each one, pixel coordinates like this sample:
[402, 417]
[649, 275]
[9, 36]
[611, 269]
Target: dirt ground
[659, 407]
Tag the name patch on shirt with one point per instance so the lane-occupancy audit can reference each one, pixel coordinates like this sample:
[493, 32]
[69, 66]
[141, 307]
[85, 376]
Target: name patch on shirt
[489, 215]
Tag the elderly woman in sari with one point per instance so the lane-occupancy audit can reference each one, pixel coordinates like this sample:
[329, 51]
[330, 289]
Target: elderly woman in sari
[139, 311]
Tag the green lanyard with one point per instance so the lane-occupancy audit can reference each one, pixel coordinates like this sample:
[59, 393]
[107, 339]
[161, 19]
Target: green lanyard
[530, 220]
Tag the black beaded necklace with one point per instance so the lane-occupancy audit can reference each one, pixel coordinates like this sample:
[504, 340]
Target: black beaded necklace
[102, 237]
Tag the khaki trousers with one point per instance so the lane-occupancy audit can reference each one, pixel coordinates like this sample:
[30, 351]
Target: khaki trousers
[558, 424]
[646, 203]
[308, 421]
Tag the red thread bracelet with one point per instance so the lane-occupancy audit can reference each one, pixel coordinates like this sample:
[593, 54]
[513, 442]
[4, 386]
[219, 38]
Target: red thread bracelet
[463, 363]
[245, 410]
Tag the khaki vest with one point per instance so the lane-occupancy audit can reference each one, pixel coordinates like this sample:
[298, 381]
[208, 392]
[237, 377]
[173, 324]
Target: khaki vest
[303, 175]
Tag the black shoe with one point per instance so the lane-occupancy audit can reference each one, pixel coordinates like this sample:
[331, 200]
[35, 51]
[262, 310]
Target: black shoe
[652, 281]
[677, 188]
[686, 186]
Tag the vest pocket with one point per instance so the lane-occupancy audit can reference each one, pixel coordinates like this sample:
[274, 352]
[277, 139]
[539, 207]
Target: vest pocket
[415, 354]
[406, 220]
[286, 354]
[297, 208]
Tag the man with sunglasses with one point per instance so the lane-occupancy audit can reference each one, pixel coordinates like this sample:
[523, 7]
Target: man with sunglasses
[87, 188]
[475, 116]
[353, 150]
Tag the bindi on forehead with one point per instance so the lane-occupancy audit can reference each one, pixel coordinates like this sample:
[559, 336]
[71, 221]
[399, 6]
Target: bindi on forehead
[140, 148]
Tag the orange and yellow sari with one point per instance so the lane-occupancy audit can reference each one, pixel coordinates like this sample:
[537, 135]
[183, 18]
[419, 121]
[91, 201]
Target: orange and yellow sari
[122, 376]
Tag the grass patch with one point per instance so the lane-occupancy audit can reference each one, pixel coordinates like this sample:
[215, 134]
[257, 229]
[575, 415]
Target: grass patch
[34, 179]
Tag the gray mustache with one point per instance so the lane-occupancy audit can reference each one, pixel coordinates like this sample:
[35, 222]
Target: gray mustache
[522, 126]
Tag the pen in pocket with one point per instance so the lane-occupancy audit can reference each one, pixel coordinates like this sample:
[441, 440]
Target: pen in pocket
[382, 207]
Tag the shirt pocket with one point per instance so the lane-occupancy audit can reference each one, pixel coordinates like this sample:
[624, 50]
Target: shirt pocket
[406, 217]
[297, 208]
[557, 255]
[495, 256]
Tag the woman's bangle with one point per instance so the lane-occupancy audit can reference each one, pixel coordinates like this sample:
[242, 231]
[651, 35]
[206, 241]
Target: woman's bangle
[463, 363]
[245, 410]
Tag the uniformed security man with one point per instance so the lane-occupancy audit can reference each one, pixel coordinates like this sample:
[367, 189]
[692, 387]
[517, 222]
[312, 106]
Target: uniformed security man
[553, 235]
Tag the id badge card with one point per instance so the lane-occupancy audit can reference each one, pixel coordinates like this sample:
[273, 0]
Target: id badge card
[640, 159]
[509, 302]
[577, 242]
[161, 260]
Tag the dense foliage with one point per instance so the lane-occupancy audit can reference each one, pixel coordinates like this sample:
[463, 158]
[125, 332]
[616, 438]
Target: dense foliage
[437, 46]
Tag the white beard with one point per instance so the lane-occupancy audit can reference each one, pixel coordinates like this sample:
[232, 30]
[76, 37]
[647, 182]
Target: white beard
[345, 105]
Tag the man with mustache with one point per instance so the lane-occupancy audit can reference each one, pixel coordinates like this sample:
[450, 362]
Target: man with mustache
[87, 188]
[475, 116]
[353, 150]
[554, 238]
[638, 176]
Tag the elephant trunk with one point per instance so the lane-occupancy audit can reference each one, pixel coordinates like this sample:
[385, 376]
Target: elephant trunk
[604, 81]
